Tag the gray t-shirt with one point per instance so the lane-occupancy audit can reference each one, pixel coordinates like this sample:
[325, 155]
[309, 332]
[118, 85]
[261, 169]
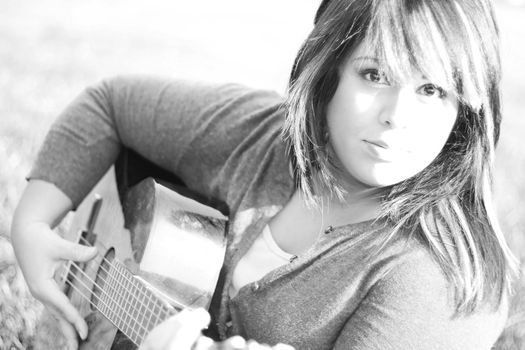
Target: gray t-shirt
[224, 142]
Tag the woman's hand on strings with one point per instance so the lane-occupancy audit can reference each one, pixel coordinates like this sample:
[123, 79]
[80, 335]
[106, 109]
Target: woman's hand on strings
[39, 251]
[183, 332]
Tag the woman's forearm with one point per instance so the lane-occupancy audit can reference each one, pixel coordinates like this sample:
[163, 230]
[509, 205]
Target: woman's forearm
[41, 202]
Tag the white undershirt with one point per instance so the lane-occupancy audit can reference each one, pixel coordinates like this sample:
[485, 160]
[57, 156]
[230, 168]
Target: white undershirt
[262, 257]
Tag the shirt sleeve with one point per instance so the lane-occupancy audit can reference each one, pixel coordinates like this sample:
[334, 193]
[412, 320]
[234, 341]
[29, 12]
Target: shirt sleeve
[412, 309]
[188, 128]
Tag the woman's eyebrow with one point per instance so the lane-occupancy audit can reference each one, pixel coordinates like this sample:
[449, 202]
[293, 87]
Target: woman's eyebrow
[365, 58]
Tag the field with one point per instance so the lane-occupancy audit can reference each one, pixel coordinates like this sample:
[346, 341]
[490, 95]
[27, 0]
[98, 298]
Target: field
[51, 50]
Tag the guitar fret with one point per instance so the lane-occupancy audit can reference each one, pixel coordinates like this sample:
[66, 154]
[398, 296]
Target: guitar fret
[156, 312]
[107, 294]
[144, 292]
[141, 309]
[103, 299]
[123, 294]
[150, 310]
[128, 297]
[128, 317]
[112, 295]
[135, 331]
[118, 297]
[135, 325]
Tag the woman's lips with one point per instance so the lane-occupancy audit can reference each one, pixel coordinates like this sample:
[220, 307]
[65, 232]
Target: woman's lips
[381, 151]
[378, 143]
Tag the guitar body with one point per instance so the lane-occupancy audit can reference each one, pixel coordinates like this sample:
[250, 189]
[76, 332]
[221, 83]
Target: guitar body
[159, 252]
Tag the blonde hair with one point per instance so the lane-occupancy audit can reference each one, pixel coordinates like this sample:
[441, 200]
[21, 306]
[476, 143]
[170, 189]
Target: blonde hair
[448, 205]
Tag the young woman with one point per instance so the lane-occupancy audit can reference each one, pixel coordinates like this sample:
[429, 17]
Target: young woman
[360, 205]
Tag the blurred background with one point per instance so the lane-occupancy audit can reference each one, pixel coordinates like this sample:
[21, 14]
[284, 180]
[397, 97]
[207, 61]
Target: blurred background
[51, 50]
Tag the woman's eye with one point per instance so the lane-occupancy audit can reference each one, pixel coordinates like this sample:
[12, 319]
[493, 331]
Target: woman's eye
[374, 76]
[431, 90]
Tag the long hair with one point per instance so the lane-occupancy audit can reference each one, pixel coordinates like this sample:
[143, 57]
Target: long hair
[448, 205]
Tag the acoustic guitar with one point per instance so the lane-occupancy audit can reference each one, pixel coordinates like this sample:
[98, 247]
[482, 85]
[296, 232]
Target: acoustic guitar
[159, 252]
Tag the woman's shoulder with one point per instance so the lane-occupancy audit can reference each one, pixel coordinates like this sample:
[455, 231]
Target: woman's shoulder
[408, 304]
[418, 289]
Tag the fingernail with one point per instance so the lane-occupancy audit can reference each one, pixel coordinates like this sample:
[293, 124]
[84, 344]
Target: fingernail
[82, 333]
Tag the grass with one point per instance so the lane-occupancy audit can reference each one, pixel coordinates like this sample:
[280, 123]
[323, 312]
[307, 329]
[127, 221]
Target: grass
[51, 50]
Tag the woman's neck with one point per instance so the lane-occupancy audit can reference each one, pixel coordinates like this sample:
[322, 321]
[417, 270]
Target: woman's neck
[354, 208]
[359, 203]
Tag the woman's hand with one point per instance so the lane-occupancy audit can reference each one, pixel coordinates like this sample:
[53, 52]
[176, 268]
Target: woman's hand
[39, 251]
[238, 343]
[183, 332]
[179, 332]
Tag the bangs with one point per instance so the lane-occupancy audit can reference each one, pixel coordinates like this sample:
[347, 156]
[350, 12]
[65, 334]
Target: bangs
[429, 37]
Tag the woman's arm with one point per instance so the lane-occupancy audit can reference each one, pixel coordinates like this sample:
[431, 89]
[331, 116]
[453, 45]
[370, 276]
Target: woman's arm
[176, 124]
[191, 129]
[38, 250]
[82, 144]
[157, 118]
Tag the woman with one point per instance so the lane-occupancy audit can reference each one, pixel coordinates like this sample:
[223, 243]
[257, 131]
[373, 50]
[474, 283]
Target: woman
[360, 214]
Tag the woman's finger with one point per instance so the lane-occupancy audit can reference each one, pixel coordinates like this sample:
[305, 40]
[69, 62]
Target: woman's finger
[205, 343]
[253, 345]
[67, 250]
[66, 328]
[178, 332]
[160, 336]
[234, 343]
[191, 324]
[53, 297]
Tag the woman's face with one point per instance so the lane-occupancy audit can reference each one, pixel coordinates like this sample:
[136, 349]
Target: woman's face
[384, 133]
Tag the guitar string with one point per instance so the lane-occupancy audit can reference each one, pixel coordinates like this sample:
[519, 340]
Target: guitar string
[109, 297]
[165, 310]
[108, 282]
[111, 278]
[119, 265]
[137, 338]
[116, 267]
[119, 314]
[163, 307]
[98, 307]
[112, 291]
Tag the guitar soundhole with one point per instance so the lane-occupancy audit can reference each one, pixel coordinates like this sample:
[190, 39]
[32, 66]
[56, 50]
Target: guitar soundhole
[102, 277]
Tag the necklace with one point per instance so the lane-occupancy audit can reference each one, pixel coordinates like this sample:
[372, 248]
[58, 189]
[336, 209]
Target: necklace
[329, 228]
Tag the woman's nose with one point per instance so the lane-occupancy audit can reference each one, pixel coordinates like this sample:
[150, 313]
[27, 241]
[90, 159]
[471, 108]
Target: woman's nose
[398, 107]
